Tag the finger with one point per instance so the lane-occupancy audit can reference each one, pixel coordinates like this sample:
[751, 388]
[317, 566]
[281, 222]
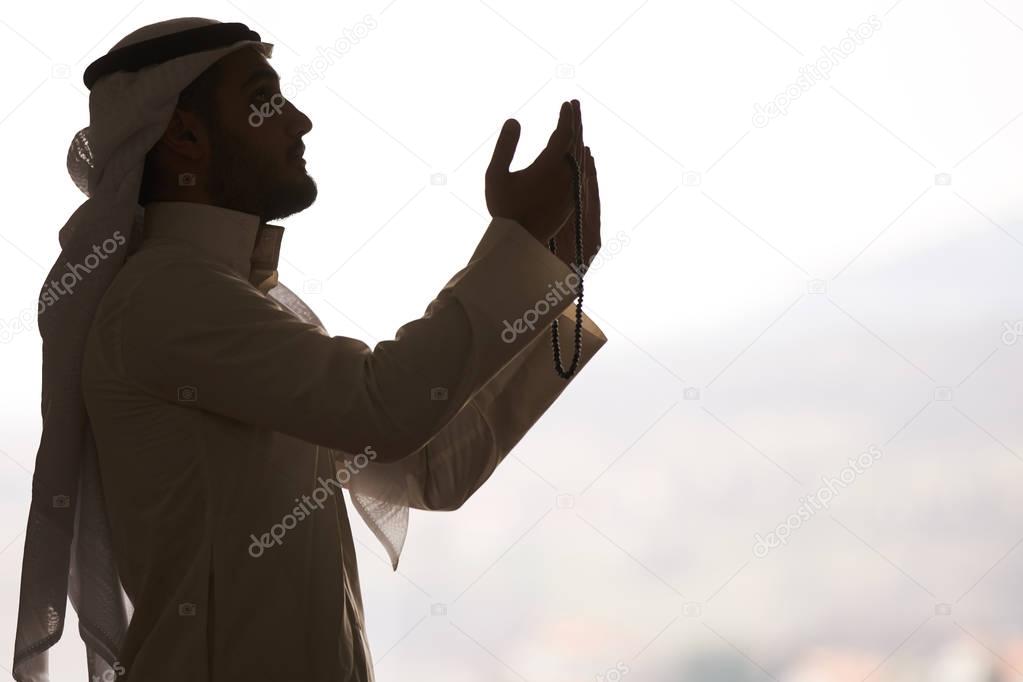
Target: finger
[591, 173]
[593, 200]
[586, 166]
[504, 149]
[565, 134]
[577, 110]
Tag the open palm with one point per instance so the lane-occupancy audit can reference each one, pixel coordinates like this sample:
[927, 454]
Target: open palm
[540, 197]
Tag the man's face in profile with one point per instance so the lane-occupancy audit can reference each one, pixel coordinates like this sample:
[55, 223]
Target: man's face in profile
[256, 162]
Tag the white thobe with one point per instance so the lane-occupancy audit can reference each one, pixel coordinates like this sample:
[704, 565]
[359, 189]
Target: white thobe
[219, 414]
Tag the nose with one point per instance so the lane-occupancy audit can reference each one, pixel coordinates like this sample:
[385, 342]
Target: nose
[298, 124]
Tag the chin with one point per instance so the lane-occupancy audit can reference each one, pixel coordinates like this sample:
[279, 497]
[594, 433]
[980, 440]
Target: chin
[291, 199]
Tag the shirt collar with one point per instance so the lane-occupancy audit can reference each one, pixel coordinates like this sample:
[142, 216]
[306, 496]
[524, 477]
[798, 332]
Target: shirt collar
[240, 240]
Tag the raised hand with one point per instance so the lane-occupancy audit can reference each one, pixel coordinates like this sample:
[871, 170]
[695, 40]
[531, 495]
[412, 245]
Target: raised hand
[540, 197]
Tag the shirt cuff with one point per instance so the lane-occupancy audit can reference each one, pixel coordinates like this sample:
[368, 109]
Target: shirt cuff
[519, 287]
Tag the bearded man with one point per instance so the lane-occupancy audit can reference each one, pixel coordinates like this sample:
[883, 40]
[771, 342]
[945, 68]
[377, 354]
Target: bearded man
[200, 423]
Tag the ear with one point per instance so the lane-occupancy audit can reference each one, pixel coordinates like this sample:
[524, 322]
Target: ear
[186, 136]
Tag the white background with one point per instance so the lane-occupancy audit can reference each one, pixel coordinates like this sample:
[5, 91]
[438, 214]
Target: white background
[846, 276]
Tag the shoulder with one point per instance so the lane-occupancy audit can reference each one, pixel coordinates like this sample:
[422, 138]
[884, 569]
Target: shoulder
[169, 288]
[168, 273]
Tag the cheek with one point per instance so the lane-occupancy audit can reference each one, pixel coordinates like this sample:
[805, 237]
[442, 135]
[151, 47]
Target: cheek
[266, 144]
[252, 146]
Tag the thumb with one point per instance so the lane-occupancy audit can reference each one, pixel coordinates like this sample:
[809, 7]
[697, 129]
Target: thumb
[504, 150]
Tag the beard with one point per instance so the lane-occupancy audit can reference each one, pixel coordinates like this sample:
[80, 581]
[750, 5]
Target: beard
[243, 179]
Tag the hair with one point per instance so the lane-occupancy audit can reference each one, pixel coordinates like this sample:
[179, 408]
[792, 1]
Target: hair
[199, 98]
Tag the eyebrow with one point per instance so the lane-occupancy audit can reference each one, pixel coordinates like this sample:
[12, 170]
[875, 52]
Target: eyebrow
[258, 75]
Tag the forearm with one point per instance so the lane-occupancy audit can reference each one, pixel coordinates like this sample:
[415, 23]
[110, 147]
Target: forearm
[453, 465]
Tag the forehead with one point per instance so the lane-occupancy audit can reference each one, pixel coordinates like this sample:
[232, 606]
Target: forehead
[242, 65]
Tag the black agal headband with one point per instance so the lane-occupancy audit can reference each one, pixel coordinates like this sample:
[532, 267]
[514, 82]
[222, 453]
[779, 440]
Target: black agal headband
[164, 48]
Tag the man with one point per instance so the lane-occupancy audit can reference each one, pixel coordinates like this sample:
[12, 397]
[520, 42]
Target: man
[225, 418]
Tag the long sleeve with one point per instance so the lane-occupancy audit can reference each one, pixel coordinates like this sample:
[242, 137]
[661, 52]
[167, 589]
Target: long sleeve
[461, 458]
[445, 472]
[198, 334]
[453, 465]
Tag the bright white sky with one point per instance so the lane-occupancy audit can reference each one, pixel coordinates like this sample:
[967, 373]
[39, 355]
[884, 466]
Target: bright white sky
[816, 281]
